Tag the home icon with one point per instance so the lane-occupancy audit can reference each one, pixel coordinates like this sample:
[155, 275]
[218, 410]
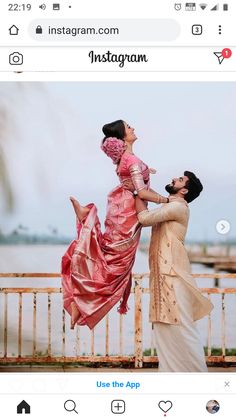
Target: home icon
[23, 407]
[14, 30]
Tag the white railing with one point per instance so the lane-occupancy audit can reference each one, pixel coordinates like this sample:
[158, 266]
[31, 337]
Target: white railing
[79, 356]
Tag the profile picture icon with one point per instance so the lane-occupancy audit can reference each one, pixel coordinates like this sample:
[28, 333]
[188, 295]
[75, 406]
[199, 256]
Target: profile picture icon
[213, 406]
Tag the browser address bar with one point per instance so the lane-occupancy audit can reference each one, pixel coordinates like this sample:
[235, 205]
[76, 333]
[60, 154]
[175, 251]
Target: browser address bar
[99, 30]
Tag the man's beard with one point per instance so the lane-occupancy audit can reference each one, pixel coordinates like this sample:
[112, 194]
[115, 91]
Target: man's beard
[171, 189]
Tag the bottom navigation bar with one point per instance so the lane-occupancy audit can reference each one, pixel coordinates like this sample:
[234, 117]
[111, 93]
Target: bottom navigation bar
[101, 406]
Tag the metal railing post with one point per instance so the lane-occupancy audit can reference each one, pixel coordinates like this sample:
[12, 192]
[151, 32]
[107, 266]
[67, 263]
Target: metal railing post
[138, 344]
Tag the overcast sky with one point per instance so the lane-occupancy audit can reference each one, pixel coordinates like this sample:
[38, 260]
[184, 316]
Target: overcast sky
[51, 135]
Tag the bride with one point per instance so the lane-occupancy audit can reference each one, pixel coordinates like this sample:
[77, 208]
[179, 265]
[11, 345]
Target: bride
[96, 268]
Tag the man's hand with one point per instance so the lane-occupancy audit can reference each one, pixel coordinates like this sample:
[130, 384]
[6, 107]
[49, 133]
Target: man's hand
[140, 205]
[128, 184]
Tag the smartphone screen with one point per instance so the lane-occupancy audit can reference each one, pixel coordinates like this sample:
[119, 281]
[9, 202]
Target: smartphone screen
[117, 210]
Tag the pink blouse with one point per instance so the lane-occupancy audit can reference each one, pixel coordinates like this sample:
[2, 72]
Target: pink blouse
[134, 169]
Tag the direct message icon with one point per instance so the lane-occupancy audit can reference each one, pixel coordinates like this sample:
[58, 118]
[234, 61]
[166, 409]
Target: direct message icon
[165, 406]
[225, 53]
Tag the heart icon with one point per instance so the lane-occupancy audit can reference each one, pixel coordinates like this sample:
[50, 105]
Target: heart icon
[165, 406]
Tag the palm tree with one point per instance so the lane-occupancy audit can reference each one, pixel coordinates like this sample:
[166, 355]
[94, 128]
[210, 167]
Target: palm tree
[5, 185]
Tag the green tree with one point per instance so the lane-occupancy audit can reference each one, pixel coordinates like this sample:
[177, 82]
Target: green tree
[5, 185]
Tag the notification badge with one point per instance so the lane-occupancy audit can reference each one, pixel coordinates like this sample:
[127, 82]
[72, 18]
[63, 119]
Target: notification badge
[224, 54]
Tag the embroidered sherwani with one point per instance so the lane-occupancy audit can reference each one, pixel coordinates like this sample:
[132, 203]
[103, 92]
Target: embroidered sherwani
[175, 300]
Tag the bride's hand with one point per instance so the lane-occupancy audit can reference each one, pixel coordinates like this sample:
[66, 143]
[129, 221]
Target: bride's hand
[152, 171]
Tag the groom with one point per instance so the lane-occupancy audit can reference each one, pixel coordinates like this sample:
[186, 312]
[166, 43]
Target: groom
[175, 301]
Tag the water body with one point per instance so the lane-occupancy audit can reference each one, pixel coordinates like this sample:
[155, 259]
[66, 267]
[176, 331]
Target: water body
[46, 258]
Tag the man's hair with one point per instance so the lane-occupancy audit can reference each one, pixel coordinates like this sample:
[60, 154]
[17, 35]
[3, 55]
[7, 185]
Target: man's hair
[193, 185]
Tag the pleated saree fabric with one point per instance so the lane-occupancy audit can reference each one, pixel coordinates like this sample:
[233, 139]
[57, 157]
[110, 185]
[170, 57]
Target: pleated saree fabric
[97, 267]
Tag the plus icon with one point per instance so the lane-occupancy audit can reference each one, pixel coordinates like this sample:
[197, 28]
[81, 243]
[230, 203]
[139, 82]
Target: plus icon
[118, 406]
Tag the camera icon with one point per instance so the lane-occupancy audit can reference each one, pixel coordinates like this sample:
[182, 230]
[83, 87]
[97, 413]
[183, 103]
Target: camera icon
[16, 58]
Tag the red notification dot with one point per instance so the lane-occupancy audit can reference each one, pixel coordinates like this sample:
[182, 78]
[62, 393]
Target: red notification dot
[226, 52]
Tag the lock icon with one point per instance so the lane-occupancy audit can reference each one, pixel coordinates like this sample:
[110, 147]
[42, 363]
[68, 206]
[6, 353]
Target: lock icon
[39, 30]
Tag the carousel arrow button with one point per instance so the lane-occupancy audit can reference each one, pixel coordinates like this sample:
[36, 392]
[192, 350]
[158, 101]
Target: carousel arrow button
[223, 227]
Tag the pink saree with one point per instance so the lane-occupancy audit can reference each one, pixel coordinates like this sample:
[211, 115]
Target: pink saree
[96, 268]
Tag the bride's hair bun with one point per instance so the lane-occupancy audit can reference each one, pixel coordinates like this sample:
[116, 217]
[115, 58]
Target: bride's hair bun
[114, 148]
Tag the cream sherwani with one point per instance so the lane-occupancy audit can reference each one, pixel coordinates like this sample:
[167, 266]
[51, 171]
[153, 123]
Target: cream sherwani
[175, 300]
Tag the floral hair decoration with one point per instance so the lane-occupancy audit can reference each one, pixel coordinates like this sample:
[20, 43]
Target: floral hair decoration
[113, 148]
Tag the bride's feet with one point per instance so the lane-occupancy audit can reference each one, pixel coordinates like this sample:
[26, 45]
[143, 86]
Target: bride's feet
[80, 211]
[74, 315]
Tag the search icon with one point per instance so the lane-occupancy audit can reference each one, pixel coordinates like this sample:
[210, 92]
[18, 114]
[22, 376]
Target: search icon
[70, 406]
